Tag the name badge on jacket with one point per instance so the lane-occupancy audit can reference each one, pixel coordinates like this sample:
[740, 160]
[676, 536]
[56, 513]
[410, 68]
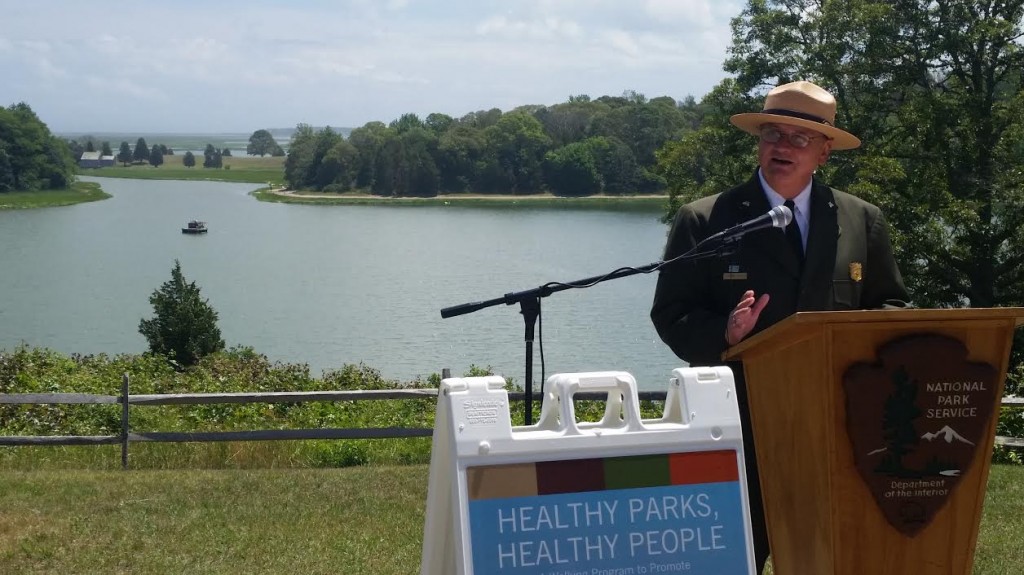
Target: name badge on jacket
[734, 273]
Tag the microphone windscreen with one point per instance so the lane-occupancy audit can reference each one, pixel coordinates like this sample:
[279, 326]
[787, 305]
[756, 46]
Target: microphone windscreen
[781, 216]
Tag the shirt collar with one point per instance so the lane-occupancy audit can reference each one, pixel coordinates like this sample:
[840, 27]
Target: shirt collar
[802, 201]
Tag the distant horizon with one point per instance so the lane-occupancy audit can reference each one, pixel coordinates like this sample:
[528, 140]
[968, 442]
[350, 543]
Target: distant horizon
[189, 141]
[62, 133]
[344, 130]
[181, 142]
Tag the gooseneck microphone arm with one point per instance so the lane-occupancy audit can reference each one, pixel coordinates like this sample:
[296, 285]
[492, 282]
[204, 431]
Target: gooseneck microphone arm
[718, 245]
[778, 217]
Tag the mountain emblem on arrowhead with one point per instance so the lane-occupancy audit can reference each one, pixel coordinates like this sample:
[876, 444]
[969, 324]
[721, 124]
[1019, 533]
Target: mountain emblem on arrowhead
[947, 434]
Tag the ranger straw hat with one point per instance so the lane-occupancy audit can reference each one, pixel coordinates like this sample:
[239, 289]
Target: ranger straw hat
[800, 104]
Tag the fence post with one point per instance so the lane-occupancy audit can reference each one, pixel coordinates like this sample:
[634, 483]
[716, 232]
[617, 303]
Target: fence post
[446, 372]
[124, 422]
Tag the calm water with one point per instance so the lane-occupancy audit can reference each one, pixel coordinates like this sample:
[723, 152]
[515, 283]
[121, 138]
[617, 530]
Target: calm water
[330, 285]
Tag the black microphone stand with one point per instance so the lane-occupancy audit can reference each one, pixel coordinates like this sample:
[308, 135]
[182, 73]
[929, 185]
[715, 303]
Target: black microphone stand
[529, 300]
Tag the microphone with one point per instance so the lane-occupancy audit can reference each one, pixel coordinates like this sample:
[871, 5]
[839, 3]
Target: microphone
[777, 217]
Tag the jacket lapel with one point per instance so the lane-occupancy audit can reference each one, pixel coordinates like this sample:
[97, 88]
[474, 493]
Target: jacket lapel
[822, 238]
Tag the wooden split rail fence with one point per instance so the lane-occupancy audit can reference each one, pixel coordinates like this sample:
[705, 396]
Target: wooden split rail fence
[127, 436]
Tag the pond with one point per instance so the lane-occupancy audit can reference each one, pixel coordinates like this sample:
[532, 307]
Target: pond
[330, 285]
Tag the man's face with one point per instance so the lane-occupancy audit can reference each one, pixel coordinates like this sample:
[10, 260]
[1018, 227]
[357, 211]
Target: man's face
[785, 166]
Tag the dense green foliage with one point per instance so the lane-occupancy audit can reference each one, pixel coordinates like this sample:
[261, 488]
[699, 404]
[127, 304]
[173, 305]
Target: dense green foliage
[185, 325]
[124, 153]
[141, 152]
[212, 157]
[156, 157]
[580, 147]
[32, 370]
[31, 158]
[261, 143]
[936, 92]
[26, 370]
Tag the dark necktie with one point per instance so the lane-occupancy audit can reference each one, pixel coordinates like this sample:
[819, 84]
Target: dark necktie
[793, 232]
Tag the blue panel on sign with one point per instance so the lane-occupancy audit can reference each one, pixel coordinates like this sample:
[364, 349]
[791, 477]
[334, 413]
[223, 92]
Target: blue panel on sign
[669, 529]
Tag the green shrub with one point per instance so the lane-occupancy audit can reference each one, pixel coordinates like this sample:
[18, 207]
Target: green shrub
[185, 325]
[241, 369]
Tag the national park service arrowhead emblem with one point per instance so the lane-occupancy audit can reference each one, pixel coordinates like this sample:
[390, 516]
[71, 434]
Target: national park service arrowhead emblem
[915, 420]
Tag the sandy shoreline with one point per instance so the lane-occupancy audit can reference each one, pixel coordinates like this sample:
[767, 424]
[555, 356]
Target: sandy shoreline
[287, 193]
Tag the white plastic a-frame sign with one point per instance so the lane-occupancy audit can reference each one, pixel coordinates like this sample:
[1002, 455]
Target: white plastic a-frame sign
[619, 496]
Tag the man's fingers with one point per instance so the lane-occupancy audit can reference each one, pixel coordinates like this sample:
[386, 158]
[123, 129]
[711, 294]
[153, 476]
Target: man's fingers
[759, 305]
[747, 300]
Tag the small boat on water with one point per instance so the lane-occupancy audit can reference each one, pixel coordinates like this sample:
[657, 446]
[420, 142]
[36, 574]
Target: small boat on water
[195, 227]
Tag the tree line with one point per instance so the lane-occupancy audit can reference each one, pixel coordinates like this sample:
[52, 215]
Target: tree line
[142, 153]
[579, 147]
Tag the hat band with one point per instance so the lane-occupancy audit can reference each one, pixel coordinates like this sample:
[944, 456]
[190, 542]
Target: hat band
[800, 115]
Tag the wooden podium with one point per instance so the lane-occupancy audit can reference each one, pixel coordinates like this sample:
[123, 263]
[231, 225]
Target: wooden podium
[851, 494]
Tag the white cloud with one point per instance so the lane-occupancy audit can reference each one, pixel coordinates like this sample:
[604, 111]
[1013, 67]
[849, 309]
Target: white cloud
[327, 61]
[538, 29]
[202, 50]
[109, 45]
[214, 67]
[623, 42]
[696, 12]
[117, 88]
[37, 46]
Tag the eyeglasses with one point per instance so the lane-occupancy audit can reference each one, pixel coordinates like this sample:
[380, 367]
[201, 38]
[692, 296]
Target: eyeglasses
[772, 135]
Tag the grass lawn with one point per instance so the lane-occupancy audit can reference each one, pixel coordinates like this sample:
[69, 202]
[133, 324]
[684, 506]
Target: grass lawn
[350, 520]
[78, 193]
[243, 169]
[269, 172]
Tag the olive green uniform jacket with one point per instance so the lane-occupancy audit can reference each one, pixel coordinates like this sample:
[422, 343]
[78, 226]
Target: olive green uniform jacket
[848, 265]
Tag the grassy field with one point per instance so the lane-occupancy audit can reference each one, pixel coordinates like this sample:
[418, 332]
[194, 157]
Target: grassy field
[351, 520]
[269, 171]
[242, 169]
[78, 193]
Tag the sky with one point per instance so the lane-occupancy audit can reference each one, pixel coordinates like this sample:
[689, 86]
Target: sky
[217, 66]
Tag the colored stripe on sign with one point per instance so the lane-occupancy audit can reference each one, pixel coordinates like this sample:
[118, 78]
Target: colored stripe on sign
[600, 474]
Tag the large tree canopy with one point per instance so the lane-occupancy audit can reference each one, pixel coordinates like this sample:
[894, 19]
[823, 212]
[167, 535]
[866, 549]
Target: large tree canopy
[31, 158]
[141, 153]
[936, 92]
[261, 143]
[124, 153]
